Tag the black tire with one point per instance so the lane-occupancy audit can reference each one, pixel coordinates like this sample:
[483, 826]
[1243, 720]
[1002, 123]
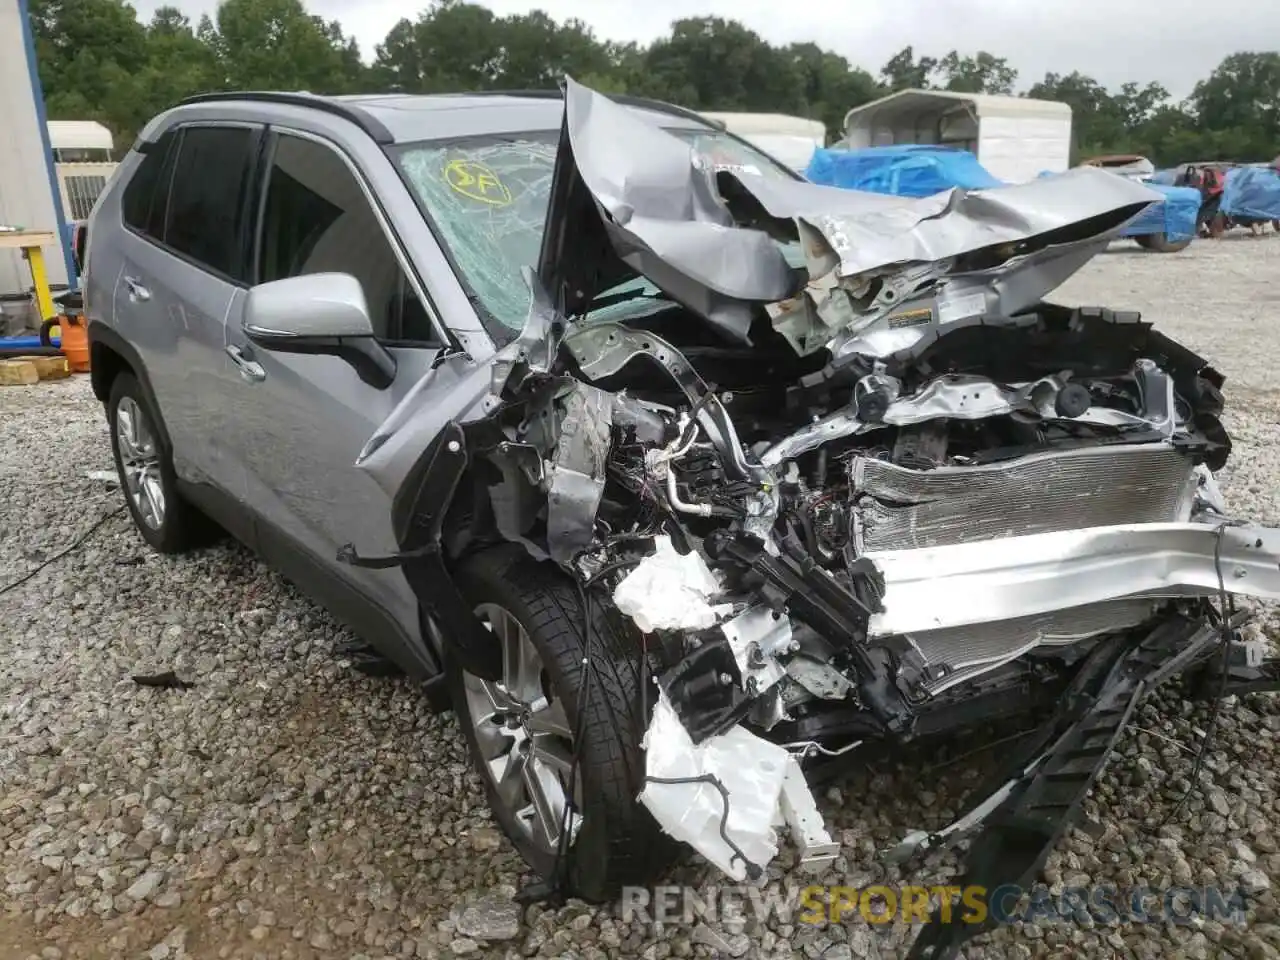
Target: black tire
[618, 842]
[1160, 243]
[183, 526]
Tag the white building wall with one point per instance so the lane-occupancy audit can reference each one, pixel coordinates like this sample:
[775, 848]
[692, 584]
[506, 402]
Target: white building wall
[1020, 148]
[26, 195]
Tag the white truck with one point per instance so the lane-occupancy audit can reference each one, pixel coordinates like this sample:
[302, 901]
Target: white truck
[1015, 138]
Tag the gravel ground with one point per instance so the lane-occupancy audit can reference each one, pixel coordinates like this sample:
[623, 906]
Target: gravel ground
[287, 806]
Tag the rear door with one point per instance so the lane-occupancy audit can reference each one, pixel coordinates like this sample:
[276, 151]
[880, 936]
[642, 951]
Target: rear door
[184, 278]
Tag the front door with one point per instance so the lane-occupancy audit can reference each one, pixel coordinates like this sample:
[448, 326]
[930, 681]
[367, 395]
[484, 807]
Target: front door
[302, 420]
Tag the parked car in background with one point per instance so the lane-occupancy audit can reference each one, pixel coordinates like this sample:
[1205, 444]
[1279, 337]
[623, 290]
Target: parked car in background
[1126, 164]
[1166, 227]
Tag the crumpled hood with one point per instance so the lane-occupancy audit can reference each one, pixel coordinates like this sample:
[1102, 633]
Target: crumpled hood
[631, 199]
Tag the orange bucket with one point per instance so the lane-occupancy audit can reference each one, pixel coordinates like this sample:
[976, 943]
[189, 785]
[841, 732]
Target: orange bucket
[74, 340]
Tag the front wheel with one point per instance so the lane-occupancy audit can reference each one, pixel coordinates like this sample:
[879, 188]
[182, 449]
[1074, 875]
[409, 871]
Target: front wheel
[1161, 243]
[525, 730]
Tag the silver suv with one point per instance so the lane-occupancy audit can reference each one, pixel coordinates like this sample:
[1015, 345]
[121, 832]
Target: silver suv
[692, 478]
[271, 281]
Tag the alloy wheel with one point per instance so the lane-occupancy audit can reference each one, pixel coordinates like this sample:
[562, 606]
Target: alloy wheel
[524, 738]
[140, 462]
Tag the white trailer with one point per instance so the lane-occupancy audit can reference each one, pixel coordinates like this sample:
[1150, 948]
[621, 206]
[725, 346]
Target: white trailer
[1015, 138]
[83, 163]
[789, 139]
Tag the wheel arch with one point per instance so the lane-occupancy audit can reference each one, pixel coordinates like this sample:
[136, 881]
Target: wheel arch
[110, 355]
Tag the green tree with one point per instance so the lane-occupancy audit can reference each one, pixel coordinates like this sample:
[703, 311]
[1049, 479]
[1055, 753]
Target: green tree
[1135, 105]
[97, 62]
[832, 86]
[277, 45]
[178, 64]
[1239, 103]
[537, 53]
[90, 54]
[905, 72]
[982, 73]
[1096, 123]
[452, 46]
[716, 64]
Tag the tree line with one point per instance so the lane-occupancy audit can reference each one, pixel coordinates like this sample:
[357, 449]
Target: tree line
[99, 62]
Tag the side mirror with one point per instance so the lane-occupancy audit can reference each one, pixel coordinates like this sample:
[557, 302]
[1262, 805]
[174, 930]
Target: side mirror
[319, 313]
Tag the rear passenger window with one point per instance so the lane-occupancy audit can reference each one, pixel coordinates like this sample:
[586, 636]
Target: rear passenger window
[316, 219]
[147, 193]
[207, 197]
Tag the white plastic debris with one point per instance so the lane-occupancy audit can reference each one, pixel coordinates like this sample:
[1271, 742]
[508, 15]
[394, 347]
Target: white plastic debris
[751, 770]
[668, 591]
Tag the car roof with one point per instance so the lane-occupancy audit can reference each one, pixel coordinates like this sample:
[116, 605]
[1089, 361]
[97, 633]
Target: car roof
[400, 118]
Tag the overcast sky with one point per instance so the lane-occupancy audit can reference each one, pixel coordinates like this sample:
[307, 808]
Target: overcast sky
[1175, 42]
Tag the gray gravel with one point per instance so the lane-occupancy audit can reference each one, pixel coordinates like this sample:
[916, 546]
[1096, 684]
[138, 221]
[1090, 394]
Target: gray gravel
[286, 806]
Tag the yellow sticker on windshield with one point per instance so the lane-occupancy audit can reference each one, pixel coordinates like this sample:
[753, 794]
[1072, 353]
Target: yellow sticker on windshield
[475, 181]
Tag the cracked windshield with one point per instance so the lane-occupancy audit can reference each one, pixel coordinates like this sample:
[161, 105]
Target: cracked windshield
[489, 200]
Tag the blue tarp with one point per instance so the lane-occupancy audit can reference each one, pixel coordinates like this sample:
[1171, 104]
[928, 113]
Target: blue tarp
[921, 170]
[1176, 217]
[914, 170]
[1252, 193]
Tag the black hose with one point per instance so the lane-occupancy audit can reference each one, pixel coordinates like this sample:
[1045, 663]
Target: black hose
[6, 351]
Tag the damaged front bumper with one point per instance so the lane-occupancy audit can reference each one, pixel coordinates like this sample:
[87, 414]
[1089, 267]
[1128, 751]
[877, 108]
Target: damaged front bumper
[1142, 572]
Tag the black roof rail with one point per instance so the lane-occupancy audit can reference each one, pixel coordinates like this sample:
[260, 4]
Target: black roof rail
[361, 118]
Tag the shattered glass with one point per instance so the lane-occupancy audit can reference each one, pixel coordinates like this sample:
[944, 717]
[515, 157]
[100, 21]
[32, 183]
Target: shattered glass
[489, 200]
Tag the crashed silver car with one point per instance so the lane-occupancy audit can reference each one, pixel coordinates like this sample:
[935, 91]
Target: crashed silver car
[764, 474]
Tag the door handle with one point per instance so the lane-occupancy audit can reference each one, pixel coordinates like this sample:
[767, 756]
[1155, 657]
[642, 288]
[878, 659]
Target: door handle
[249, 368]
[137, 292]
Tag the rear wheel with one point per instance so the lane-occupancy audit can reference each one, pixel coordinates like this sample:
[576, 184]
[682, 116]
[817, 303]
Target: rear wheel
[165, 520]
[525, 730]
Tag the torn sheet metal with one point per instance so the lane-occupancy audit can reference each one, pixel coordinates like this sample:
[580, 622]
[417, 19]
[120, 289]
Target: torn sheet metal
[866, 233]
[536, 344]
[460, 387]
[733, 829]
[996, 293]
[676, 221]
[992, 580]
[670, 591]
[577, 473]
[660, 214]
